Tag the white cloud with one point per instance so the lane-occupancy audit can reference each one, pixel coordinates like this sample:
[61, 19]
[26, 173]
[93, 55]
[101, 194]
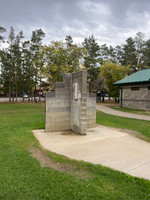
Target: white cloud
[110, 21]
[94, 7]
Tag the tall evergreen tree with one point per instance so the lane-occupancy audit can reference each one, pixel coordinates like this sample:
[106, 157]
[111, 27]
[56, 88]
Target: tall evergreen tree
[139, 44]
[11, 42]
[118, 54]
[11, 64]
[92, 59]
[104, 53]
[2, 30]
[1, 52]
[18, 63]
[69, 41]
[129, 54]
[15, 62]
[36, 41]
[146, 55]
[5, 71]
[27, 70]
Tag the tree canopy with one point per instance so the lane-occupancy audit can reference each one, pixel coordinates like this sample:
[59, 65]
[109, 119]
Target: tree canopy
[91, 59]
[113, 72]
[24, 63]
[59, 58]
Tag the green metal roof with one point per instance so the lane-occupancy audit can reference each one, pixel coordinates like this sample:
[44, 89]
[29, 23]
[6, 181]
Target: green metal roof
[142, 76]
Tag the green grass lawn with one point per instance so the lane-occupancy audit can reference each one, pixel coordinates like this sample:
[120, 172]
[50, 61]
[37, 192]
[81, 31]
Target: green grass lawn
[22, 177]
[140, 126]
[134, 111]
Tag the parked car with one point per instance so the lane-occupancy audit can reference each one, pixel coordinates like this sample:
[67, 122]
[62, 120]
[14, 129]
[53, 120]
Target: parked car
[25, 96]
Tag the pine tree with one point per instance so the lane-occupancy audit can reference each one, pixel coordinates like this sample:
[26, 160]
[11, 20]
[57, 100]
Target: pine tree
[92, 59]
[146, 55]
[129, 54]
[139, 44]
[2, 30]
[36, 40]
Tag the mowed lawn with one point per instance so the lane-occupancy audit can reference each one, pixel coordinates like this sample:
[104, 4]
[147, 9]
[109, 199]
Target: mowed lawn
[22, 177]
[139, 126]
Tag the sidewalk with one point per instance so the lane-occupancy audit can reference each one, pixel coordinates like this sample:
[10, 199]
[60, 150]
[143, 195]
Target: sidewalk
[111, 111]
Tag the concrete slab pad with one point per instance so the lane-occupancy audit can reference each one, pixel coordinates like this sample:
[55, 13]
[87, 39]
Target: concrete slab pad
[102, 145]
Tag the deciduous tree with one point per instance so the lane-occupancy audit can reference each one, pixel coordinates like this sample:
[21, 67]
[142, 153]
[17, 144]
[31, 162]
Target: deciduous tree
[60, 58]
[113, 72]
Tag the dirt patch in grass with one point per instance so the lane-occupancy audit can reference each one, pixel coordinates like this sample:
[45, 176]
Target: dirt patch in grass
[46, 161]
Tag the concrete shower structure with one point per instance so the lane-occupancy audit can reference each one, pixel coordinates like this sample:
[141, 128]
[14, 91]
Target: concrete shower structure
[70, 106]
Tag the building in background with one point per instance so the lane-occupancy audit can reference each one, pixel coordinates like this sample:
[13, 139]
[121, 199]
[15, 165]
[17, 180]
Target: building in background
[135, 90]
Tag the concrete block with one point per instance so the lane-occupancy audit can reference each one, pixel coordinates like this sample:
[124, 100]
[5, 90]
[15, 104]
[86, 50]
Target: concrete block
[63, 112]
[59, 85]
[50, 95]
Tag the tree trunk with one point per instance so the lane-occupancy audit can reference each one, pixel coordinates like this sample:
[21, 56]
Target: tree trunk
[23, 95]
[13, 84]
[138, 68]
[13, 90]
[16, 90]
[10, 84]
[35, 94]
[40, 91]
[31, 95]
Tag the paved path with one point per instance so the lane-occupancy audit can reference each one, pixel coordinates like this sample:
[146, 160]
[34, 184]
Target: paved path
[102, 145]
[111, 111]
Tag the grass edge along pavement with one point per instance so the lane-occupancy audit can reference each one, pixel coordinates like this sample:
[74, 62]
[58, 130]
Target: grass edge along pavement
[129, 110]
[140, 128]
[22, 177]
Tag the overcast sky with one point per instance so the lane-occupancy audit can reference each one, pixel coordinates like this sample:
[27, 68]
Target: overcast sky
[111, 21]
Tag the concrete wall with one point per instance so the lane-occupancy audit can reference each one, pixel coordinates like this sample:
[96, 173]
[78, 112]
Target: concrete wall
[64, 111]
[78, 106]
[58, 106]
[91, 111]
[136, 99]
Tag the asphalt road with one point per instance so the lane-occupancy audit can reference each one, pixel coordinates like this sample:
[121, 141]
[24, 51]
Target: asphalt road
[19, 99]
